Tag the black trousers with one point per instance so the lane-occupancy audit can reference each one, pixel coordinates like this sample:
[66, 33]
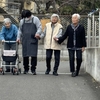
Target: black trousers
[72, 59]
[49, 57]
[33, 63]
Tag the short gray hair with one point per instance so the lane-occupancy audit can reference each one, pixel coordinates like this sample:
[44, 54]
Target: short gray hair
[7, 20]
[78, 16]
[55, 15]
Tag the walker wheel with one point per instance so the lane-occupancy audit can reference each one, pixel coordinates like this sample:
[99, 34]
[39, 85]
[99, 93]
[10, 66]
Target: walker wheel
[13, 71]
[3, 73]
[20, 70]
[17, 73]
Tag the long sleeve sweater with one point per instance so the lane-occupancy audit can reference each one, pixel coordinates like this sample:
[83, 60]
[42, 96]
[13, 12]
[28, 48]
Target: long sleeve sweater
[9, 34]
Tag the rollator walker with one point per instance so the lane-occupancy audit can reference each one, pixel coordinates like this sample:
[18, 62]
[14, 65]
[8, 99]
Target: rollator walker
[10, 56]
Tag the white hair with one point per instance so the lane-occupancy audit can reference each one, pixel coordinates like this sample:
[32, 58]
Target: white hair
[55, 15]
[78, 16]
[7, 20]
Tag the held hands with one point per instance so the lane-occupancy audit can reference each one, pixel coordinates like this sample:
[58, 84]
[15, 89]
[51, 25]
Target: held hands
[37, 36]
[55, 38]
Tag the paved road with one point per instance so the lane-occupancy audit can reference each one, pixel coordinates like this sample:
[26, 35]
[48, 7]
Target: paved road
[49, 87]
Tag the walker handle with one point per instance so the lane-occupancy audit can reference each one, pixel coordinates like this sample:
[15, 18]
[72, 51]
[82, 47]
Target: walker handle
[10, 41]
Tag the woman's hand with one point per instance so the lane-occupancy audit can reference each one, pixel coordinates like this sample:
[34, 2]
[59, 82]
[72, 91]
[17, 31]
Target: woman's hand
[83, 48]
[37, 36]
[55, 38]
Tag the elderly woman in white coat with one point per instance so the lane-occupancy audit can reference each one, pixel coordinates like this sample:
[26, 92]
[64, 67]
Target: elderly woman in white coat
[52, 31]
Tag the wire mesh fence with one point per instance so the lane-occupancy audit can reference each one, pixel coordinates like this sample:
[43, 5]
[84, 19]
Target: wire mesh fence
[91, 25]
[65, 20]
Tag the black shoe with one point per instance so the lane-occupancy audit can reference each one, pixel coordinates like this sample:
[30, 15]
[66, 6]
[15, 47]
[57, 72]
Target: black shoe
[55, 73]
[47, 72]
[34, 72]
[25, 72]
[73, 74]
[77, 73]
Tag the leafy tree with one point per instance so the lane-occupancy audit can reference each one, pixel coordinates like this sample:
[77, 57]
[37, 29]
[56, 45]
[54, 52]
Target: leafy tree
[64, 7]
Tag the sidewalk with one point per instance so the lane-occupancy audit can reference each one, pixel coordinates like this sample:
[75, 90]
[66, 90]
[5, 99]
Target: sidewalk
[49, 87]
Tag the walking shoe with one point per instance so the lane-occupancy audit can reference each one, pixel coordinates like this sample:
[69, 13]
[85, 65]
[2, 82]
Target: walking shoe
[73, 74]
[25, 72]
[34, 72]
[47, 72]
[77, 73]
[55, 73]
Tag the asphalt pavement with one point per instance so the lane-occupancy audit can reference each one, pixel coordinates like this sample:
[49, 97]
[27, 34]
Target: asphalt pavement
[49, 87]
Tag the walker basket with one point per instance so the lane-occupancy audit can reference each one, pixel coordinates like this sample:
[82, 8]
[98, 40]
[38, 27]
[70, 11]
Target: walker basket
[9, 55]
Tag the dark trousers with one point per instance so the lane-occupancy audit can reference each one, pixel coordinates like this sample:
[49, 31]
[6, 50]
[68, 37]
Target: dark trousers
[33, 63]
[49, 57]
[72, 59]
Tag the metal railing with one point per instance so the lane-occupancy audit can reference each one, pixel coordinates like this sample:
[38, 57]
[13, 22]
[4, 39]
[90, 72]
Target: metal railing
[93, 29]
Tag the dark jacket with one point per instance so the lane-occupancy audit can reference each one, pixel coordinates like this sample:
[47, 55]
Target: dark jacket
[80, 37]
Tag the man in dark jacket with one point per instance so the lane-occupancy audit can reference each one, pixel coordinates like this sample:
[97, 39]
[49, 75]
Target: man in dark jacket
[76, 43]
[29, 29]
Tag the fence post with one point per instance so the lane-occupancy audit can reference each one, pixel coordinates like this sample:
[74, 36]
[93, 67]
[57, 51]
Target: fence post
[95, 33]
[88, 31]
[92, 30]
[99, 27]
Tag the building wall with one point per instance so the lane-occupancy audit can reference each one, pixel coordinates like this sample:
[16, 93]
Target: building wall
[92, 62]
[3, 3]
[31, 6]
[1, 18]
